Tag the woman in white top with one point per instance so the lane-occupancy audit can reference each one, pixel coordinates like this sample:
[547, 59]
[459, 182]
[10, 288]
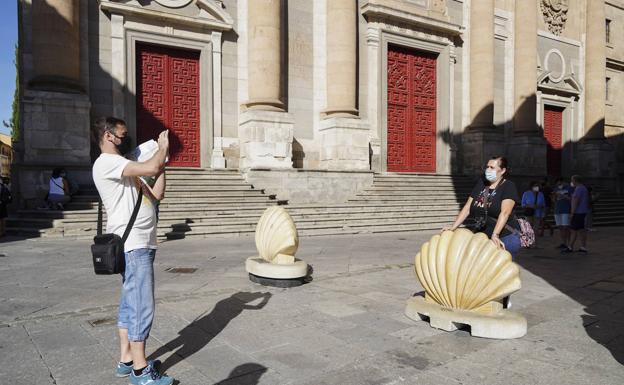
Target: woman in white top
[59, 189]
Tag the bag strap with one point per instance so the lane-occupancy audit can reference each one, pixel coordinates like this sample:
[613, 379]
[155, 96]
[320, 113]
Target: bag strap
[508, 227]
[133, 217]
[99, 221]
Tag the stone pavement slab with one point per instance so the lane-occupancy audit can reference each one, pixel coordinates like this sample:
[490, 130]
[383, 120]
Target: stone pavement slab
[346, 326]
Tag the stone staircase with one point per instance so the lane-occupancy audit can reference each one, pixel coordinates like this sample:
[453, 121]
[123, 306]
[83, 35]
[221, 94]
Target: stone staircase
[206, 203]
[220, 198]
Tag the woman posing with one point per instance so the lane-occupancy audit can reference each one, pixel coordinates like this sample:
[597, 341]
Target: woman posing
[491, 204]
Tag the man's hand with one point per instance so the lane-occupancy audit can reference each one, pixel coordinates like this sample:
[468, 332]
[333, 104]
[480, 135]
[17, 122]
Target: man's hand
[163, 141]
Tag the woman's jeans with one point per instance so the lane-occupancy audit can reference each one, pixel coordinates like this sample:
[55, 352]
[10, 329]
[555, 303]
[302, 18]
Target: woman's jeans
[136, 307]
[512, 244]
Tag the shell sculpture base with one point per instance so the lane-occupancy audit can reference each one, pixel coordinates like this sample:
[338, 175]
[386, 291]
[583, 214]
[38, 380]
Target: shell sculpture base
[277, 242]
[465, 277]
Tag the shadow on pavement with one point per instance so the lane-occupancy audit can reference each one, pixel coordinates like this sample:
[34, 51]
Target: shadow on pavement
[200, 332]
[595, 280]
[245, 374]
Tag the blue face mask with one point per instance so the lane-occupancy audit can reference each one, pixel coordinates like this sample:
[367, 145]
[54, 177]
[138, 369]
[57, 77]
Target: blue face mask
[490, 175]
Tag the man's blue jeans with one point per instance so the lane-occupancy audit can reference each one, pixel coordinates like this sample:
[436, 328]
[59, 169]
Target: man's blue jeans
[136, 307]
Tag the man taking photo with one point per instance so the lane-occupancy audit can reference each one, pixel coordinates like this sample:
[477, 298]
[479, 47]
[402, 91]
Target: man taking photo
[118, 181]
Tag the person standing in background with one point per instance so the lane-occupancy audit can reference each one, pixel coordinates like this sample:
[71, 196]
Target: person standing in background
[533, 204]
[562, 196]
[579, 208]
[5, 199]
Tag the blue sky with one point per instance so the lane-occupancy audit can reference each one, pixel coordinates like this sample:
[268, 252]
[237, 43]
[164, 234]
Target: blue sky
[8, 31]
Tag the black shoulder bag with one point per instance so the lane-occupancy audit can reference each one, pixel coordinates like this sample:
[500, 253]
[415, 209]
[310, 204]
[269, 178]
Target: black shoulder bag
[108, 249]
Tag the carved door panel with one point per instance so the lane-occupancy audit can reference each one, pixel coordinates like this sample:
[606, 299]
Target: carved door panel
[168, 98]
[553, 130]
[411, 111]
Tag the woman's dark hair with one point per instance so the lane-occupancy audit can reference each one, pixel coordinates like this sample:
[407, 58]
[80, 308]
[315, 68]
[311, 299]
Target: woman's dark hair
[104, 124]
[502, 163]
[57, 172]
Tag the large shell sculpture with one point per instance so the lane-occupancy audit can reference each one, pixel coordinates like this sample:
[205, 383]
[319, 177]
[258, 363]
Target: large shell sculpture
[277, 240]
[462, 270]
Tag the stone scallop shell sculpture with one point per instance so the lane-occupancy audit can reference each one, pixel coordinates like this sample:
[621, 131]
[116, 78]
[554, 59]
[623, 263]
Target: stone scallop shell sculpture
[462, 270]
[277, 239]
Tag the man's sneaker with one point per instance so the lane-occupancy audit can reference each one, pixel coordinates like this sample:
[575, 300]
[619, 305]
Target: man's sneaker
[562, 246]
[567, 250]
[124, 370]
[150, 376]
[582, 250]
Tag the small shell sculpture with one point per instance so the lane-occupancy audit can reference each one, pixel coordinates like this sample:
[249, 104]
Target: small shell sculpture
[462, 270]
[276, 234]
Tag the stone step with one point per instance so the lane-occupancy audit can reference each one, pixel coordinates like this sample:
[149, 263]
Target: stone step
[200, 195]
[311, 230]
[210, 187]
[416, 187]
[411, 194]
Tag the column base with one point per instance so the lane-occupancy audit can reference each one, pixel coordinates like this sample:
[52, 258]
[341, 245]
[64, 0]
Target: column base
[596, 158]
[217, 160]
[478, 146]
[265, 139]
[527, 155]
[55, 133]
[344, 144]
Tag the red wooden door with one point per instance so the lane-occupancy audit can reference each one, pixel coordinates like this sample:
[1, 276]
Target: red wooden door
[168, 98]
[553, 128]
[411, 111]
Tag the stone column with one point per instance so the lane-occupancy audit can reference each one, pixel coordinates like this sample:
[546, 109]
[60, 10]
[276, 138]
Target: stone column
[341, 58]
[217, 160]
[55, 107]
[344, 138]
[56, 44]
[480, 140]
[265, 129]
[264, 50]
[527, 150]
[595, 153]
[482, 64]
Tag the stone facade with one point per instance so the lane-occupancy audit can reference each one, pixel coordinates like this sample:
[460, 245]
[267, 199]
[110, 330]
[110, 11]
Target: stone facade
[304, 85]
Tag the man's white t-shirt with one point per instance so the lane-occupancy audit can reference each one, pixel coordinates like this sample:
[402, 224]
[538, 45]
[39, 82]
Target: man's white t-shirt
[119, 195]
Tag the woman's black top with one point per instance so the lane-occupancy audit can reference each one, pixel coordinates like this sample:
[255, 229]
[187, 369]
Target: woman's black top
[482, 194]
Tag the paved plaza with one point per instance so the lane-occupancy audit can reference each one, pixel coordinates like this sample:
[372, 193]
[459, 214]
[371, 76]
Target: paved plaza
[346, 326]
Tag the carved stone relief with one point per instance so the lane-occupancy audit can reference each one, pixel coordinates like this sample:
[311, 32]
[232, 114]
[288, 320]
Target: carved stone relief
[555, 14]
[173, 3]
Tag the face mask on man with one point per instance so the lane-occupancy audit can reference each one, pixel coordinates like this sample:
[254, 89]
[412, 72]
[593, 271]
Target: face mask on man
[490, 175]
[125, 146]
[536, 188]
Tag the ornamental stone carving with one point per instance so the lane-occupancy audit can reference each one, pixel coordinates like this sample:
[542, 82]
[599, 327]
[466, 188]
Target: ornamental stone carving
[174, 3]
[555, 14]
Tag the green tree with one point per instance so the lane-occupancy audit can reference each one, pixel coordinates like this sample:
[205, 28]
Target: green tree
[13, 124]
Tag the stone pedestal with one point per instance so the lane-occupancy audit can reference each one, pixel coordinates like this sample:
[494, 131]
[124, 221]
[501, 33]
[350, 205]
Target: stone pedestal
[56, 133]
[527, 155]
[504, 324]
[595, 159]
[344, 144]
[265, 139]
[478, 146]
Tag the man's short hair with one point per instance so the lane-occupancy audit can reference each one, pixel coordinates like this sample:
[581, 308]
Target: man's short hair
[577, 179]
[103, 125]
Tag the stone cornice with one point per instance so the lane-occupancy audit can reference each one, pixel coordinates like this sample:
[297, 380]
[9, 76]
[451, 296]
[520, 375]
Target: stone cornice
[222, 21]
[384, 13]
[615, 64]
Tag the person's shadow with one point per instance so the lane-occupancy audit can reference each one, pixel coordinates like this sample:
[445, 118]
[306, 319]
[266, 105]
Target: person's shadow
[201, 331]
[245, 374]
